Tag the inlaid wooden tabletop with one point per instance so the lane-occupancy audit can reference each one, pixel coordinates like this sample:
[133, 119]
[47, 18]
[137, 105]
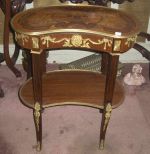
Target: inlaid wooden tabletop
[75, 26]
[93, 19]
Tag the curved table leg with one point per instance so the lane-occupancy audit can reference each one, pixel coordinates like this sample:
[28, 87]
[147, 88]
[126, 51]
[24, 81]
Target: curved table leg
[109, 89]
[37, 71]
[27, 62]
[104, 63]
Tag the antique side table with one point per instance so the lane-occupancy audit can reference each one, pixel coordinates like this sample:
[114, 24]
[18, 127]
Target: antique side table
[93, 28]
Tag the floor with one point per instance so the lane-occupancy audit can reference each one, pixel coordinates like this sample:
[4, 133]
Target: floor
[75, 129]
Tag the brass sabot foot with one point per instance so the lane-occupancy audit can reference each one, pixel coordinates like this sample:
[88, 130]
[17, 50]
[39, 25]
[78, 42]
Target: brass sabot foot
[101, 145]
[38, 146]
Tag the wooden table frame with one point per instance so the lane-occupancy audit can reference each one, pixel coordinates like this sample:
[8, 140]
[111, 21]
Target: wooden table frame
[38, 41]
[37, 65]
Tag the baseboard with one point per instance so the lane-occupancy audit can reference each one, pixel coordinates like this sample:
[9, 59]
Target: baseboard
[66, 56]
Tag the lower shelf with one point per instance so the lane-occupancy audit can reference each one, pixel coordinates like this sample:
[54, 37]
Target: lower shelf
[71, 88]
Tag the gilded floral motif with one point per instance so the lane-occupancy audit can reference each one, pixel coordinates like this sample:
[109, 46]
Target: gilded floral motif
[35, 42]
[117, 45]
[130, 41]
[76, 41]
[37, 109]
[24, 38]
[107, 115]
[46, 40]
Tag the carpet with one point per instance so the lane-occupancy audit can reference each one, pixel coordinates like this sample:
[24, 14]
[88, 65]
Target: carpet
[74, 129]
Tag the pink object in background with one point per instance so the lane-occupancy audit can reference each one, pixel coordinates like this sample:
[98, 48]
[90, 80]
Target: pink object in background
[135, 77]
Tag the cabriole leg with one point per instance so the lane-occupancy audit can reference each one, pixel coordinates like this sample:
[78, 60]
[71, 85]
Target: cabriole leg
[38, 125]
[105, 120]
[37, 90]
[109, 90]
[104, 63]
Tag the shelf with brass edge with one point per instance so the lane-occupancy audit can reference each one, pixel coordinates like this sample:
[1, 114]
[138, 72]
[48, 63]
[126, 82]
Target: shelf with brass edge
[71, 88]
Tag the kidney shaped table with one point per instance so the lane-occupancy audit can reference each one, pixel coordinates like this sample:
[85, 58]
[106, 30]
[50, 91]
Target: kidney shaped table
[88, 28]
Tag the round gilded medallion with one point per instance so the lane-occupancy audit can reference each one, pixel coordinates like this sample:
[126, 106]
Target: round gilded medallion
[76, 40]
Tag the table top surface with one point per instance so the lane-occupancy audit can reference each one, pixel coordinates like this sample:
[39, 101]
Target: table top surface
[70, 18]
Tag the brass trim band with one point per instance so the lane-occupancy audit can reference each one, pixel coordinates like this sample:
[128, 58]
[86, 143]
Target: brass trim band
[75, 41]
